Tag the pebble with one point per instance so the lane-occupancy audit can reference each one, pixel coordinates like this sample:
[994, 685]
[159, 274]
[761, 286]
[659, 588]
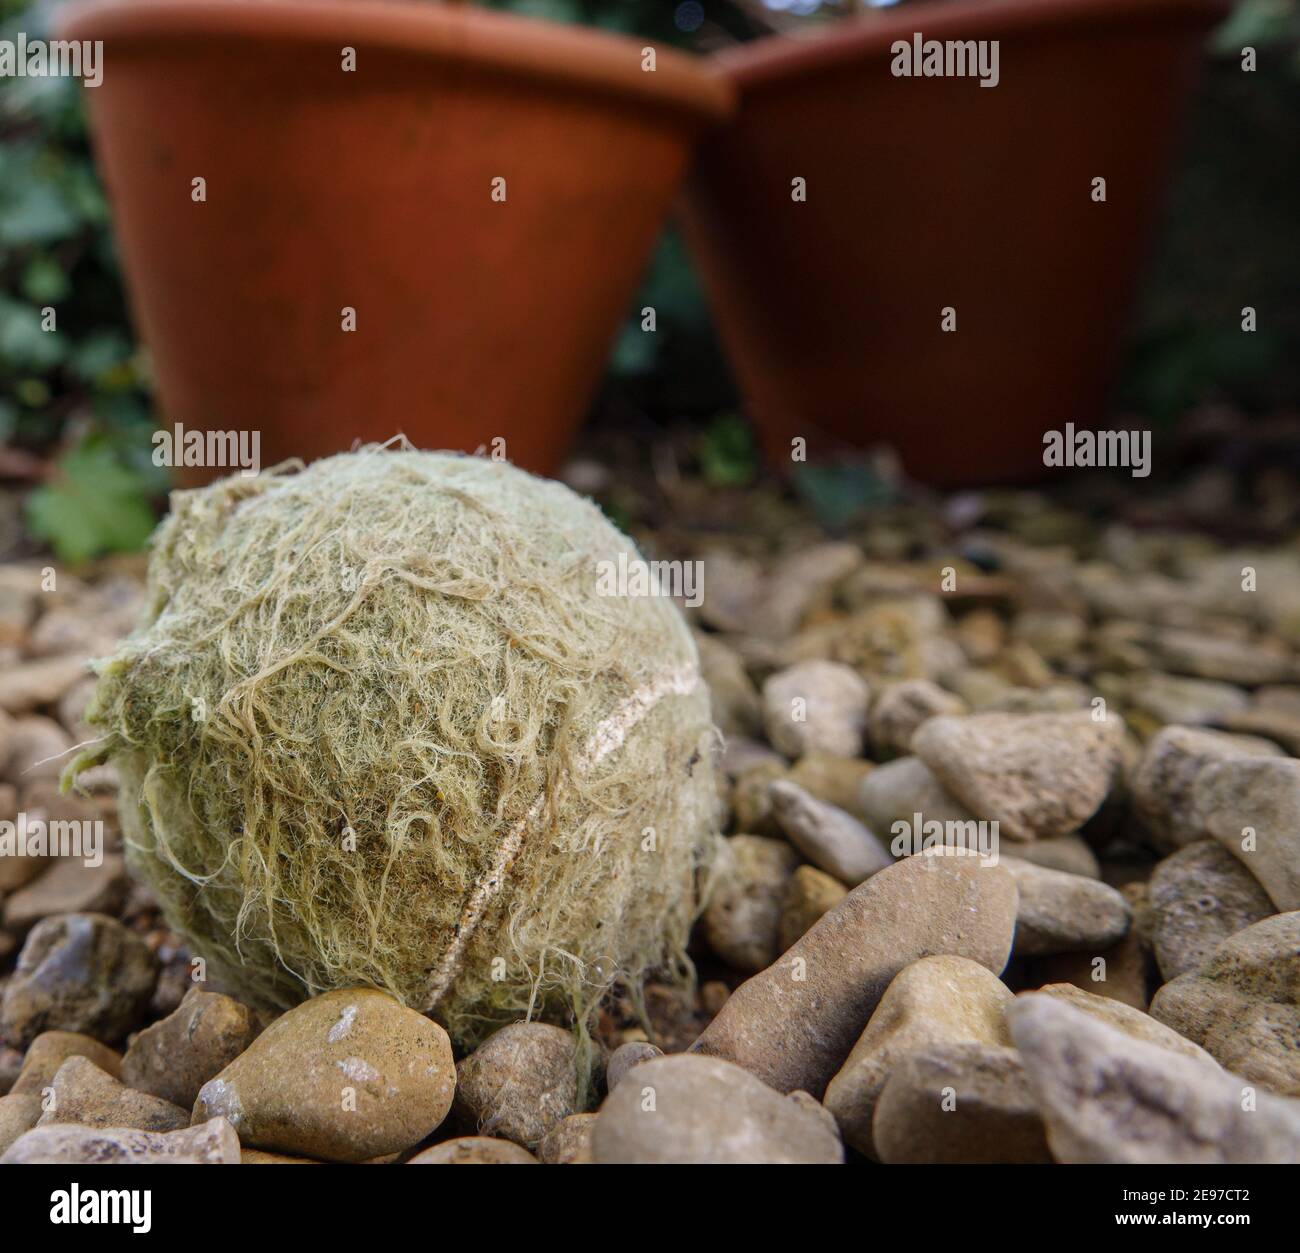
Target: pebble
[692, 1110]
[346, 1076]
[174, 1057]
[793, 1024]
[1108, 1098]
[1067, 853]
[830, 838]
[78, 972]
[804, 582]
[1173, 701]
[52, 1048]
[1206, 656]
[809, 894]
[19, 1112]
[65, 1144]
[1062, 913]
[81, 1093]
[623, 1058]
[69, 886]
[741, 754]
[1243, 1004]
[903, 788]
[1162, 786]
[835, 780]
[34, 684]
[518, 1083]
[1125, 1018]
[733, 697]
[568, 1142]
[958, 1103]
[1123, 972]
[816, 705]
[474, 1151]
[936, 1000]
[751, 802]
[37, 750]
[742, 918]
[901, 708]
[1038, 775]
[1197, 898]
[1262, 795]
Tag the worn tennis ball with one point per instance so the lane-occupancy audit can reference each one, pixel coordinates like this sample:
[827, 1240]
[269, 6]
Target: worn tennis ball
[380, 726]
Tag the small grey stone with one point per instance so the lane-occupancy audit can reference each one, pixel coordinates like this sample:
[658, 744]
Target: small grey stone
[902, 707]
[1108, 1098]
[818, 705]
[65, 1144]
[959, 1103]
[625, 1057]
[518, 1083]
[691, 1109]
[903, 788]
[1064, 913]
[831, 839]
[1067, 853]
[1197, 898]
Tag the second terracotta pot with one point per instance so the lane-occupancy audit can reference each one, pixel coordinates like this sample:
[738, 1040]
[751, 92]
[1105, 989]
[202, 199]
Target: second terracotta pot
[482, 309]
[927, 194]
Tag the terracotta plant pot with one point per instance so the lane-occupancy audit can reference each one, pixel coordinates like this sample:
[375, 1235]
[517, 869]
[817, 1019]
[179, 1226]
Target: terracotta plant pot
[933, 193]
[372, 190]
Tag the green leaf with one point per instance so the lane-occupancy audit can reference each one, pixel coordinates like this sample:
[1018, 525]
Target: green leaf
[23, 344]
[838, 492]
[728, 457]
[92, 504]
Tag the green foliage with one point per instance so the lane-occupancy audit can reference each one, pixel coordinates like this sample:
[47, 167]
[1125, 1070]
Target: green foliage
[839, 492]
[94, 503]
[728, 456]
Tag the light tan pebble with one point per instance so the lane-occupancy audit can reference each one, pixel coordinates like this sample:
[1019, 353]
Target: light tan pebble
[981, 634]
[733, 697]
[832, 839]
[69, 886]
[1108, 1098]
[692, 1109]
[51, 1049]
[19, 1113]
[835, 780]
[713, 996]
[809, 894]
[474, 1151]
[568, 1142]
[816, 705]
[34, 684]
[1164, 781]
[936, 1000]
[346, 1076]
[900, 708]
[518, 1083]
[1243, 1004]
[1038, 775]
[1063, 913]
[1252, 807]
[959, 1104]
[81, 1093]
[1126, 1019]
[1067, 853]
[38, 750]
[794, 1024]
[625, 1057]
[742, 918]
[210, 1143]
[175, 1057]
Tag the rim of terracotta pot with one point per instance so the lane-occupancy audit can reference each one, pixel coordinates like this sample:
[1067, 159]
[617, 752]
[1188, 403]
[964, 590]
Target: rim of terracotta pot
[780, 58]
[574, 58]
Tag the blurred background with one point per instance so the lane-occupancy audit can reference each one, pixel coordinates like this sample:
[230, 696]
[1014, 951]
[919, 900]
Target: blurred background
[76, 406]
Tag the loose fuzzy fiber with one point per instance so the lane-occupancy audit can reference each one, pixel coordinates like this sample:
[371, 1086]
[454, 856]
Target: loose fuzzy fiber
[378, 727]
